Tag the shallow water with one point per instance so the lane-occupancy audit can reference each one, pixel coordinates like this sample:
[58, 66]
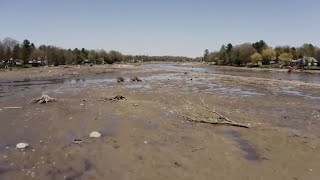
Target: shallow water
[304, 77]
[293, 92]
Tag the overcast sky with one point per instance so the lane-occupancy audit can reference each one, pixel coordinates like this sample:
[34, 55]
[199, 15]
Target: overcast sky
[160, 27]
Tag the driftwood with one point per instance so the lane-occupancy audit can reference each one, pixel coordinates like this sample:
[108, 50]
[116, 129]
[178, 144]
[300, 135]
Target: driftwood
[114, 99]
[135, 78]
[120, 79]
[12, 108]
[204, 114]
[43, 99]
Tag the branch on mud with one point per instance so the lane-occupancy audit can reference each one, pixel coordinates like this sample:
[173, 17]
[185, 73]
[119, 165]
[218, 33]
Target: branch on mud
[204, 114]
[114, 99]
[43, 99]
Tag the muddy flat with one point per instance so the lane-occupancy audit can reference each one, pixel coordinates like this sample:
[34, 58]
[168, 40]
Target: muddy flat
[147, 135]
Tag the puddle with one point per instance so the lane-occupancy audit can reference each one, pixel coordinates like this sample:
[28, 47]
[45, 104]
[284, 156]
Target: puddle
[250, 153]
[30, 82]
[290, 91]
[234, 91]
[141, 86]
[165, 76]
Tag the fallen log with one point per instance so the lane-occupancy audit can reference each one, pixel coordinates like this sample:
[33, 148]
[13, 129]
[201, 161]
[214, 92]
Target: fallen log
[207, 115]
[12, 107]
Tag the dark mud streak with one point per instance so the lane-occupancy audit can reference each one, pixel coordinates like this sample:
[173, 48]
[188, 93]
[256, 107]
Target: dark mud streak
[4, 170]
[88, 165]
[71, 174]
[251, 153]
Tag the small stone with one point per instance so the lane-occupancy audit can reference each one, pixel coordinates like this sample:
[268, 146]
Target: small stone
[22, 145]
[146, 142]
[95, 134]
[77, 141]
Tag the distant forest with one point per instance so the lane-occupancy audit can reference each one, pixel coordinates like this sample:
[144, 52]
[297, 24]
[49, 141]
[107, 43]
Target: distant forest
[260, 53]
[12, 51]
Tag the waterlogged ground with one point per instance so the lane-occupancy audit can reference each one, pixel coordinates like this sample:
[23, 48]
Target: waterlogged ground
[144, 137]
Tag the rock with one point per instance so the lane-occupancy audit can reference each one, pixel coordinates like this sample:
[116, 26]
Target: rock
[22, 145]
[77, 141]
[95, 134]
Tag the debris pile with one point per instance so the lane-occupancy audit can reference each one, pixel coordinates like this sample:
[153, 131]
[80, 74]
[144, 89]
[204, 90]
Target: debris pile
[120, 79]
[117, 98]
[135, 78]
[43, 99]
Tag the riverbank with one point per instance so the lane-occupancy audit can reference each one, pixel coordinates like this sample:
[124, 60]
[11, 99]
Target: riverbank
[145, 136]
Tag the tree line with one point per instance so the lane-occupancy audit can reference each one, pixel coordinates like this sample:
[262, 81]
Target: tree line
[260, 52]
[12, 50]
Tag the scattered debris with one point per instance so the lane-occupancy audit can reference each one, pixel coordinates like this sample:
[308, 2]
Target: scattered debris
[196, 149]
[95, 134]
[177, 164]
[120, 79]
[43, 99]
[77, 141]
[116, 98]
[22, 145]
[12, 108]
[135, 78]
[204, 114]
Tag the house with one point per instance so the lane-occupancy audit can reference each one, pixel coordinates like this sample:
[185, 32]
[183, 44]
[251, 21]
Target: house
[299, 63]
[311, 61]
[35, 63]
[18, 62]
[86, 61]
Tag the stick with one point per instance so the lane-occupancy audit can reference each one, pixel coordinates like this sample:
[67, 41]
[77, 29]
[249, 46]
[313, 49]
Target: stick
[12, 108]
[200, 118]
